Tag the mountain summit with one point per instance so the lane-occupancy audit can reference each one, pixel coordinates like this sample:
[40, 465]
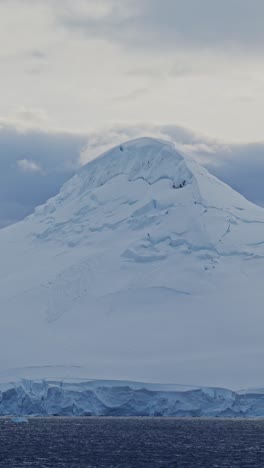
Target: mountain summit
[148, 191]
[144, 266]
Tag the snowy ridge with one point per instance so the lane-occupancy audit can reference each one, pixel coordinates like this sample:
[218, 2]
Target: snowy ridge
[143, 267]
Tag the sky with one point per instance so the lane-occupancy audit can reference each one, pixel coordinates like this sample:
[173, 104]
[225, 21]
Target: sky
[78, 76]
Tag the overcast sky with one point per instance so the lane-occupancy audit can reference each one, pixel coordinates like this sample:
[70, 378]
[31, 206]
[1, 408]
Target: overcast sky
[80, 75]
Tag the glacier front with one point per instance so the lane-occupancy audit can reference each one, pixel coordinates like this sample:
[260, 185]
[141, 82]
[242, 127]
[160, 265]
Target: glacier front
[73, 396]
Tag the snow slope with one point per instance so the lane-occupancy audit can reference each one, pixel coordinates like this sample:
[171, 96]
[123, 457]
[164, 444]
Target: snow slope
[143, 267]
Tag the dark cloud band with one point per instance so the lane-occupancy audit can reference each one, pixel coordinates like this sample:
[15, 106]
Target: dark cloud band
[22, 185]
[174, 23]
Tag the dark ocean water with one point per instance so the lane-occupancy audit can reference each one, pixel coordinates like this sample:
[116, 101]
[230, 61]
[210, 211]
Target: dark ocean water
[131, 442]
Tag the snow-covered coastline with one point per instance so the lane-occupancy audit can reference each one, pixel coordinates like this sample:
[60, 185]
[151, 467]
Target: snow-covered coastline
[84, 397]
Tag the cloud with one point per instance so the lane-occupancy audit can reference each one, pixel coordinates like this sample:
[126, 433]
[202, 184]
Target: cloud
[137, 93]
[27, 165]
[33, 166]
[180, 69]
[171, 23]
[38, 54]
[79, 64]
[242, 167]
[26, 118]
[145, 71]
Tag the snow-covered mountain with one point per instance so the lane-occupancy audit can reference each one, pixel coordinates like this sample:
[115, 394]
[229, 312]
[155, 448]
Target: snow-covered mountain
[143, 267]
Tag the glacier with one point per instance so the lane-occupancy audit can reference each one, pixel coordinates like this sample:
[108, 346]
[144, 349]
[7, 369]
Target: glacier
[79, 396]
[145, 267]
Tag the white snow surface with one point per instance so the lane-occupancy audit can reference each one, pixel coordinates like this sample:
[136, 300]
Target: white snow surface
[143, 267]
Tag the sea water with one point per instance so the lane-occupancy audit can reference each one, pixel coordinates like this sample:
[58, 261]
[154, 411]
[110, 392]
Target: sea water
[131, 442]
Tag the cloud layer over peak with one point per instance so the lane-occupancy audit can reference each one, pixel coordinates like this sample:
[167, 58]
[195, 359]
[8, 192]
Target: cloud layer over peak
[34, 164]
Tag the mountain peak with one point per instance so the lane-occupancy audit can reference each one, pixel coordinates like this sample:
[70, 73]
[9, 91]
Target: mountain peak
[156, 201]
[142, 145]
[146, 158]
[149, 192]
